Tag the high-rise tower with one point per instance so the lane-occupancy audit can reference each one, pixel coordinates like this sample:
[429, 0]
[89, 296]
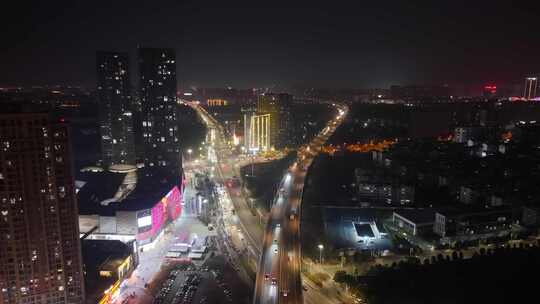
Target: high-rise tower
[531, 83]
[279, 108]
[40, 258]
[116, 123]
[157, 89]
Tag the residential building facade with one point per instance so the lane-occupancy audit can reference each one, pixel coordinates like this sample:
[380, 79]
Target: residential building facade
[40, 257]
[157, 89]
[116, 123]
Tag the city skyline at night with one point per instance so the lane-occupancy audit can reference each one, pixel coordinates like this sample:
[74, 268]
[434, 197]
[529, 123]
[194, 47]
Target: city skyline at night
[311, 44]
[285, 152]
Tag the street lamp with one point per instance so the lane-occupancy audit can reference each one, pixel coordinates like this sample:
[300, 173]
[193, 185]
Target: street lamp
[253, 152]
[189, 151]
[321, 247]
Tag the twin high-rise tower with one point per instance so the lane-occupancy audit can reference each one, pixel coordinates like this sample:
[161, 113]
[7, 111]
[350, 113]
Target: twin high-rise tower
[151, 122]
[40, 256]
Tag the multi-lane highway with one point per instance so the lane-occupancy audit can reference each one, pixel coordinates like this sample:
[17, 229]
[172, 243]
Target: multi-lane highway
[278, 275]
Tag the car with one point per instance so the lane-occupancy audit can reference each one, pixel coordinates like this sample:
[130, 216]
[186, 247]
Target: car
[292, 215]
[274, 281]
[278, 225]
[275, 250]
[284, 292]
[266, 276]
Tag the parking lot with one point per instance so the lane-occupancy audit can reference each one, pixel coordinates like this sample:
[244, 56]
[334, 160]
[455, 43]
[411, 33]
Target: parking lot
[181, 285]
[215, 282]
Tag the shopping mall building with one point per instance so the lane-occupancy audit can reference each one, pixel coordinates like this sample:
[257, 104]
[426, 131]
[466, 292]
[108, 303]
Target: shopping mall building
[127, 205]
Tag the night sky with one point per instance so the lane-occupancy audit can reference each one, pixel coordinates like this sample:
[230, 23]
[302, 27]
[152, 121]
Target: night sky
[250, 44]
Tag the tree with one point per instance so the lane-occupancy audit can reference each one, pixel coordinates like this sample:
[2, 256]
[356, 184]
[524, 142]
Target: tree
[440, 257]
[340, 276]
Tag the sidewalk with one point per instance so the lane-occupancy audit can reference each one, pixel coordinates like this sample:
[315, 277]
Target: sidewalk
[151, 260]
[329, 289]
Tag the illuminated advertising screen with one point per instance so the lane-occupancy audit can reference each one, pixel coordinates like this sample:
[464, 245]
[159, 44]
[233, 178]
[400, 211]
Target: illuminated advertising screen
[164, 211]
[144, 220]
[173, 201]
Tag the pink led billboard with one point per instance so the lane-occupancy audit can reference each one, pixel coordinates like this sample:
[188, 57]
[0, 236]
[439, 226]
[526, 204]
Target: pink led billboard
[166, 210]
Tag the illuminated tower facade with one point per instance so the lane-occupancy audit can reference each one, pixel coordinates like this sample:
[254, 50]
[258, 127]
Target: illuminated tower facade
[531, 84]
[279, 108]
[248, 112]
[259, 132]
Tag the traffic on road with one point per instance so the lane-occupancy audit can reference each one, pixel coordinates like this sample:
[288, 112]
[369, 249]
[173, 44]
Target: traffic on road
[279, 276]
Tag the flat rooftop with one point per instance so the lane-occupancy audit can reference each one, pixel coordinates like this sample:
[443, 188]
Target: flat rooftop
[417, 216]
[363, 230]
[474, 211]
[152, 185]
[98, 253]
[98, 186]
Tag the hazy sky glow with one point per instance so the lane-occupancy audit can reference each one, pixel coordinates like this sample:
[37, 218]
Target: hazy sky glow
[246, 43]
